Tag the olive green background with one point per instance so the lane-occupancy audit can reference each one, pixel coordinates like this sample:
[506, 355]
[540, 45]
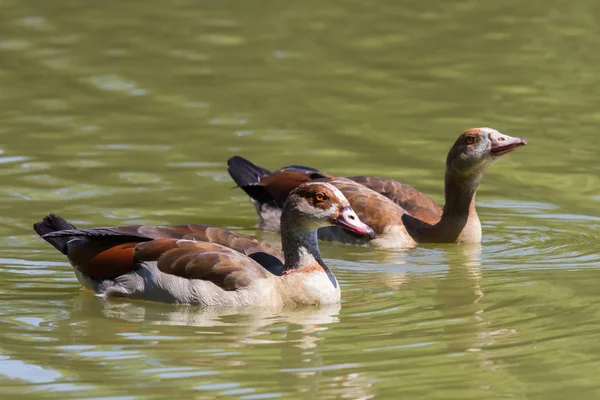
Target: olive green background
[124, 112]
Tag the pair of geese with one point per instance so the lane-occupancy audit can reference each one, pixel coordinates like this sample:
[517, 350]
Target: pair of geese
[211, 266]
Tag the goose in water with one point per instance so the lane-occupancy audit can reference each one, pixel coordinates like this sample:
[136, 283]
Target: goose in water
[400, 215]
[211, 266]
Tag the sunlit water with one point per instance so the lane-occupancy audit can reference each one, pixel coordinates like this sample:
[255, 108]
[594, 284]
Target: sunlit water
[125, 112]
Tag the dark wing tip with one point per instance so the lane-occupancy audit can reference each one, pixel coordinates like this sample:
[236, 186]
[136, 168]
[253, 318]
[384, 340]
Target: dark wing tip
[244, 172]
[51, 223]
[248, 176]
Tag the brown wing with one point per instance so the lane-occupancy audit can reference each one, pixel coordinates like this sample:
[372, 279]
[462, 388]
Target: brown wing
[241, 243]
[101, 258]
[416, 204]
[97, 253]
[372, 208]
[188, 259]
[280, 183]
[109, 252]
[206, 233]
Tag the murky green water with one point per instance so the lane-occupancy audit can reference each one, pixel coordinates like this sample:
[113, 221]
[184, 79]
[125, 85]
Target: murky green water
[120, 112]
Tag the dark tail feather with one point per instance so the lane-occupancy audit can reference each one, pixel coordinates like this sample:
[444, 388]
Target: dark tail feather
[248, 176]
[244, 173]
[54, 223]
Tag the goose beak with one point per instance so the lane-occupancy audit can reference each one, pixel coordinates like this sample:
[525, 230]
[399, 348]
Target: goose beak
[348, 220]
[501, 144]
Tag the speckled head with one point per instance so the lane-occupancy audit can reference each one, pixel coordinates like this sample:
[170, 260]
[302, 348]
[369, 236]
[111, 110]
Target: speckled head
[319, 204]
[476, 148]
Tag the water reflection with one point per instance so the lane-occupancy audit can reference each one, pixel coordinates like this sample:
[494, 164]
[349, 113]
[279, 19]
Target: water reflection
[106, 117]
[457, 298]
[256, 319]
[285, 337]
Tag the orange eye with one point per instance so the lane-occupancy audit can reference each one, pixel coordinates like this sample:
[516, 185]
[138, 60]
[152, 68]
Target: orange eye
[320, 197]
[470, 139]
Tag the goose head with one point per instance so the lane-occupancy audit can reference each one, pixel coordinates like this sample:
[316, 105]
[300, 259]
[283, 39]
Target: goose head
[477, 148]
[315, 205]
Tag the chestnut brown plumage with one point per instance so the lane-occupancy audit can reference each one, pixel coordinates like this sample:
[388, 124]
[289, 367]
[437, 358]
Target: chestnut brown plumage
[207, 265]
[399, 214]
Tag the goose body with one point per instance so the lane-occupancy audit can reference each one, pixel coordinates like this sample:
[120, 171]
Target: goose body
[207, 265]
[400, 215]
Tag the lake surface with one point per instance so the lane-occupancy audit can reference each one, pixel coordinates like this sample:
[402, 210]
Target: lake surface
[117, 112]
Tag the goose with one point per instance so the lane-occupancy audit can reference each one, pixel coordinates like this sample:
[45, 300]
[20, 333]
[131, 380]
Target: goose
[400, 215]
[211, 266]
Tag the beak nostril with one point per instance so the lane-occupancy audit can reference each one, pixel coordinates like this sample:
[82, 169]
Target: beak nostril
[501, 139]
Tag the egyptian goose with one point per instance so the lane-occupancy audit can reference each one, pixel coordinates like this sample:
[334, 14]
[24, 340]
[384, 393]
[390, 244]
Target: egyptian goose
[211, 266]
[400, 215]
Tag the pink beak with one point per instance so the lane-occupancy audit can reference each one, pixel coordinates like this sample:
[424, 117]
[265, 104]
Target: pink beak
[348, 220]
[501, 144]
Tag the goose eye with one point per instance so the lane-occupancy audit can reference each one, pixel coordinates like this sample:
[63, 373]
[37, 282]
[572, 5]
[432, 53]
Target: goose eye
[470, 139]
[320, 197]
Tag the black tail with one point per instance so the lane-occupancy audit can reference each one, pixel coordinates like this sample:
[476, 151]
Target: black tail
[244, 173]
[53, 223]
[248, 177]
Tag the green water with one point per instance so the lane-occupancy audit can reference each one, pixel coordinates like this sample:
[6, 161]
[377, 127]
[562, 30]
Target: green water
[118, 112]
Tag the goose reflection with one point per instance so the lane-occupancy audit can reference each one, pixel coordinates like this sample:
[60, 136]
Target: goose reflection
[185, 315]
[457, 298]
[289, 342]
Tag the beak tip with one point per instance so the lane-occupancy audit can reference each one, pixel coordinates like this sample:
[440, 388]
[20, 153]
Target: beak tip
[371, 233]
[348, 220]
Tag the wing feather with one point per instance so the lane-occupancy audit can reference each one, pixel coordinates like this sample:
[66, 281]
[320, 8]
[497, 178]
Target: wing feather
[212, 262]
[372, 208]
[414, 202]
[109, 252]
